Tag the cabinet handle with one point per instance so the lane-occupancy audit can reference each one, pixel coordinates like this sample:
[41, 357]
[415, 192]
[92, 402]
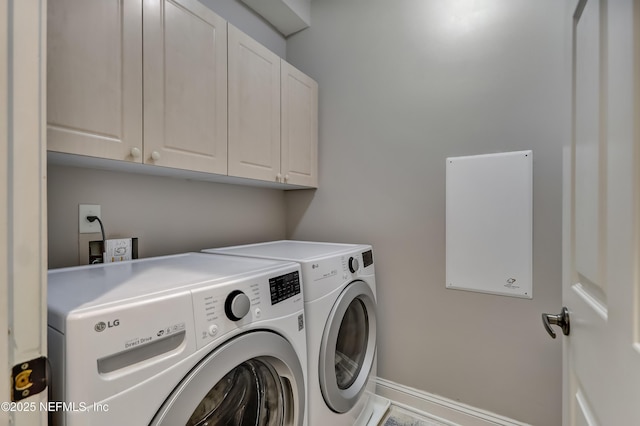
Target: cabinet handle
[155, 155]
[135, 152]
[278, 177]
[286, 178]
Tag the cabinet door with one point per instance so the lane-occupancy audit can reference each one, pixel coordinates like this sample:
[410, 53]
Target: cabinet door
[254, 109]
[299, 127]
[185, 86]
[94, 77]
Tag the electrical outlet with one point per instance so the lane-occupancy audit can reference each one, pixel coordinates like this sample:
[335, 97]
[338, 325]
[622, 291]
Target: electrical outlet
[84, 226]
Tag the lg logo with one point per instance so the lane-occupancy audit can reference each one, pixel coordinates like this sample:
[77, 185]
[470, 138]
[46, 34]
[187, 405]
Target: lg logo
[102, 326]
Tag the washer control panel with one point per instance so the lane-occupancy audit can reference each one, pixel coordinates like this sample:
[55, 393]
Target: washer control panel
[354, 265]
[284, 287]
[237, 305]
[221, 309]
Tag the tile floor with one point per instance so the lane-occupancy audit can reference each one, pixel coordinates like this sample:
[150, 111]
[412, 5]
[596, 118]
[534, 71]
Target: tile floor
[397, 416]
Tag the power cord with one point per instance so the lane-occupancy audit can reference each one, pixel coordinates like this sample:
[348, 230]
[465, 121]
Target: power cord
[93, 219]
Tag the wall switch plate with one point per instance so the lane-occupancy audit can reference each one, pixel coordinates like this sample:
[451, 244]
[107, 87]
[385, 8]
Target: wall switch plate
[84, 226]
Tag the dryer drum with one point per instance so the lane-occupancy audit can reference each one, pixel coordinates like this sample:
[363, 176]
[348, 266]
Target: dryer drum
[351, 344]
[348, 346]
[249, 395]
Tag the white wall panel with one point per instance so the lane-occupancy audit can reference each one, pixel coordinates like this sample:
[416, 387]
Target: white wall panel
[489, 220]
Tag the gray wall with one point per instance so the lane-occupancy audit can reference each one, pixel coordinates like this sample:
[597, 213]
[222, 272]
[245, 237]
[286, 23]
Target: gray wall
[403, 85]
[249, 22]
[167, 215]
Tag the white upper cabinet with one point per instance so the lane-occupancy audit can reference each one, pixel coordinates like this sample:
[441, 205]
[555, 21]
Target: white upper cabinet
[170, 83]
[273, 116]
[100, 98]
[185, 86]
[94, 78]
[299, 128]
[254, 109]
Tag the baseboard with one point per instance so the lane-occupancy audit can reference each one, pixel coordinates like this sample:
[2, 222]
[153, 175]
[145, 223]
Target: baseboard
[438, 408]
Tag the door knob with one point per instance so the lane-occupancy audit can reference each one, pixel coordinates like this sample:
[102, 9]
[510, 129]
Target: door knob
[561, 320]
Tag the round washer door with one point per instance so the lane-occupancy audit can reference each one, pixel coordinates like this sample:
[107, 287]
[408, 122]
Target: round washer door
[255, 378]
[348, 347]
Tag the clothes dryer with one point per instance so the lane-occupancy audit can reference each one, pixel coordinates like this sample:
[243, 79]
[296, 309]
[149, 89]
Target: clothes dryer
[190, 339]
[340, 307]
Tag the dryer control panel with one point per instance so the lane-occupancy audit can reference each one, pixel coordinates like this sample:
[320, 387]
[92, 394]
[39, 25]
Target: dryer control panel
[367, 258]
[325, 275]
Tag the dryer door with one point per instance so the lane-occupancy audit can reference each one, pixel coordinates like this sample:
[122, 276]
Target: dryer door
[253, 379]
[348, 347]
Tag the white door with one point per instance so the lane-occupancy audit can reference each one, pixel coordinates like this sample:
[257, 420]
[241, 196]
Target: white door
[601, 255]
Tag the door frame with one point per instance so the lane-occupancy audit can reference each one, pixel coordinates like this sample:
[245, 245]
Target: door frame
[23, 195]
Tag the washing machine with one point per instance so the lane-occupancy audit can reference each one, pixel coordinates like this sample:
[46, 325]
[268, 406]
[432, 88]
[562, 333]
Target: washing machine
[340, 307]
[190, 339]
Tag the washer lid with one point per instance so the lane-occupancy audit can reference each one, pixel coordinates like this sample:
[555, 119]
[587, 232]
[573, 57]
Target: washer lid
[298, 251]
[93, 286]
